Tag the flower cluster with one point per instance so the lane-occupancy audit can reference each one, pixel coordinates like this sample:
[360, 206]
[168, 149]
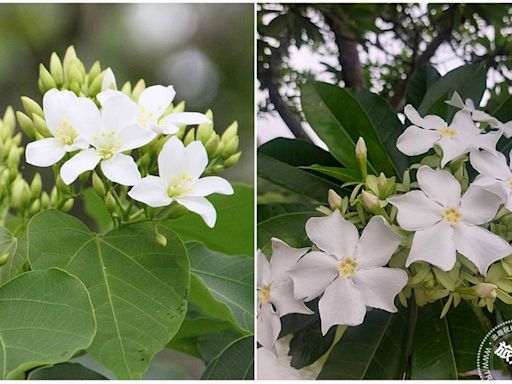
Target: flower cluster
[440, 237]
[125, 137]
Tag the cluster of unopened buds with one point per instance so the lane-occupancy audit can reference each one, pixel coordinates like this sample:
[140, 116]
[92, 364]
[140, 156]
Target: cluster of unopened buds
[134, 142]
[437, 238]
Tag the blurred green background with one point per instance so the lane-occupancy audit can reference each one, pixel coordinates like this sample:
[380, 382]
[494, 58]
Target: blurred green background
[204, 50]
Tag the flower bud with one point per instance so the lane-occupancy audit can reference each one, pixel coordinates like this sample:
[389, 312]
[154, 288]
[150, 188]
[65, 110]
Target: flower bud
[137, 90]
[127, 88]
[40, 126]
[485, 290]
[370, 201]
[110, 202]
[109, 80]
[335, 200]
[56, 69]
[36, 186]
[231, 147]
[34, 207]
[230, 132]
[75, 87]
[46, 78]
[54, 197]
[204, 132]
[232, 160]
[4, 258]
[61, 186]
[161, 239]
[69, 57]
[212, 145]
[189, 137]
[31, 107]
[26, 125]
[95, 70]
[95, 86]
[9, 120]
[68, 204]
[98, 185]
[45, 200]
[20, 193]
[180, 108]
[361, 156]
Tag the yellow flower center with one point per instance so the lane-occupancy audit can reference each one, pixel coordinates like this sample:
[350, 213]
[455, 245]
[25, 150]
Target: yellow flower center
[448, 132]
[265, 294]
[180, 185]
[347, 267]
[65, 133]
[452, 215]
[107, 144]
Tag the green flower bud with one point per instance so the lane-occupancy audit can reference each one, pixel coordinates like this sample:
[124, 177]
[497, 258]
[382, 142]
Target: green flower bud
[20, 194]
[216, 169]
[189, 137]
[361, 156]
[75, 87]
[231, 147]
[95, 70]
[212, 145]
[61, 186]
[69, 57]
[230, 132]
[40, 126]
[485, 290]
[46, 78]
[4, 258]
[95, 86]
[68, 205]
[369, 201]
[36, 186]
[335, 200]
[204, 132]
[45, 201]
[232, 160]
[13, 158]
[127, 88]
[31, 107]
[54, 197]
[161, 239]
[137, 90]
[9, 120]
[110, 202]
[26, 125]
[16, 140]
[34, 207]
[180, 108]
[98, 185]
[56, 69]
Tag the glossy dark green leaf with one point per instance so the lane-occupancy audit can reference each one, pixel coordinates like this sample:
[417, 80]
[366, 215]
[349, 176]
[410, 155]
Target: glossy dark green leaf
[308, 345]
[235, 362]
[17, 255]
[504, 114]
[341, 174]
[339, 120]
[376, 349]
[422, 79]
[267, 211]
[65, 371]
[233, 232]
[138, 287]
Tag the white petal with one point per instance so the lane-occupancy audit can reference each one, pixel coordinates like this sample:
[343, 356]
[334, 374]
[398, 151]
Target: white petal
[415, 141]
[377, 243]
[333, 234]
[313, 272]
[79, 143]
[156, 99]
[428, 122]
[186, 118]
[440, 186]
[263, 275]
[55, 106]
[85, 118]
[479, 206]
[121, 169]
[107, 94]
[82, 162]
[152, 191]
[498, 187]
[507, 129]
[416, 211]
[133, 136]
[480, 246]
[452, 148]
[488, 140]
[109, 80]
[379, 286]
[435, 245]
[283, 258]
[165, 129]
[491, 164]
[118, 111]
[211, 184]
[195, 159]
[281, 295]
[45, 152]
[170, 157]
[202, 207]
[341, 304]
[485, 117]
[269, 326]
[462, 122]
[455, 101]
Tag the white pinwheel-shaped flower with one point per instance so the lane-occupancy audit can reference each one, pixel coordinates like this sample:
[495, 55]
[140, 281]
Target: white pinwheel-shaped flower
[110, 133]
[153, 102]
[275, 291]
[455, 139]
[180, 169]
[495, 174]
[348, 270]
[444, 222]
[57, 112]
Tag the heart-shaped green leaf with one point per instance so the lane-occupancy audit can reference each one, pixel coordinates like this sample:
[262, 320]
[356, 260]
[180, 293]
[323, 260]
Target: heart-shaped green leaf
[235, 362]
[15, 253]
[138, 287]
[46, 317]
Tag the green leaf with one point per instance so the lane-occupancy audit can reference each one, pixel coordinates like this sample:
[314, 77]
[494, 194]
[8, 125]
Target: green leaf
[230, 279]
[288, 227]
[339, 120]
[341, 174]
[65, 371]
[308, 345]
[17, 255]
[373, 350]
[210, 345]
[294, 179]
[422, 79]
[235, 362]
[46, 317]
[267, 211]
[95, 208]
[138, 287]
[387, 125]
[504, 114]
[233, 232]
[468, 80]
[443, 348]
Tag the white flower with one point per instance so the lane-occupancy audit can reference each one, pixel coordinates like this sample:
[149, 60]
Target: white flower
[445, 223]
[495, 174]
[110, 133]
[275, 291]
[455, 139]
[348, 270]
[57, 113]
[109, 80]
[152, 104]
[180, 168]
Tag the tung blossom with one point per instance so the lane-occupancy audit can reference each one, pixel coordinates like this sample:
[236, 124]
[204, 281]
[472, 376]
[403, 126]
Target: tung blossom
[180, 169]
[275, 291]
[455, 139]
[349, 271]
[444, 222]
[110, 133]
[57, 108]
